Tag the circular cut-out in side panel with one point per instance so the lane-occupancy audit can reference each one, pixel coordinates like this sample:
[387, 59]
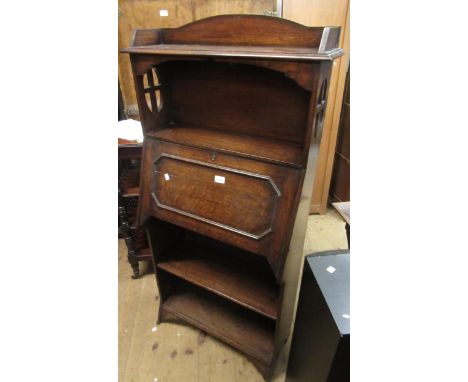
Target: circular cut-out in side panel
[158, 94]
[325, 89]
[153, 95]
[319, 117]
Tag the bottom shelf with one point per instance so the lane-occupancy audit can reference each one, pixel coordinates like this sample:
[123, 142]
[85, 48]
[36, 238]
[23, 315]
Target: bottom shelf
[246, 331]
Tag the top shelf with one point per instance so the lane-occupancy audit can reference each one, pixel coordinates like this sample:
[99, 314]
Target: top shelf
[240, 36]
[301, 54]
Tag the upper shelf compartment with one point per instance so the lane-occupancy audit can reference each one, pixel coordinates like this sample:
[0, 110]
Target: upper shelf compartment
[231, 36]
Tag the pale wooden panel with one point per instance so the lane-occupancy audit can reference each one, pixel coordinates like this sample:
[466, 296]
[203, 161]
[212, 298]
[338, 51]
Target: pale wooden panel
[319, 184]
[336, 117]
[323, 13]
[207, 8]
[144, 14]
[316, 12]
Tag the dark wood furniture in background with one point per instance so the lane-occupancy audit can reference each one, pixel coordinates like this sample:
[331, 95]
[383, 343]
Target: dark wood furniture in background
[320, 343]
[339, 187]
[231, 108]
[129, 191]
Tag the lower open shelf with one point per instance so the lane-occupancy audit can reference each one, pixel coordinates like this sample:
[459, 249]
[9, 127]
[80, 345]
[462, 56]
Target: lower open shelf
[246, 331]
[242, 278]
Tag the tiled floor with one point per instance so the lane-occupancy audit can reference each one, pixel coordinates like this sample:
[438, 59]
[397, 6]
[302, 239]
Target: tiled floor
[180, 353]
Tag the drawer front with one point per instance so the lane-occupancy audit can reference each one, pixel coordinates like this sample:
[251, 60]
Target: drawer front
[239, 201]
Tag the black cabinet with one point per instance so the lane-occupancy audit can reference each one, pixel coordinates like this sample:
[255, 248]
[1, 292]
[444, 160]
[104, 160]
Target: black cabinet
[320, 344]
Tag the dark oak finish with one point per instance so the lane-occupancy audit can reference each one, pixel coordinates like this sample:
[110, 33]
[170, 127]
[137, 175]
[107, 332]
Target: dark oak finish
[130, 151]
[268, 150]
[259, 36]
[250, 333]
[130, 182]
[241, 278]
[129, 156]
[269, 100]
[231, 107]
[235, 30]
[302, 54]
[196, 202]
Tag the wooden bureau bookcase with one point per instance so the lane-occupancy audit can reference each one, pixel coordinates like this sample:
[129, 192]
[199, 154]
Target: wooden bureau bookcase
[230, 107]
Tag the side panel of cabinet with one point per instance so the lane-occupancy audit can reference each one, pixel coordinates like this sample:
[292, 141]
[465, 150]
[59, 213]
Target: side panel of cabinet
[241, 202]
[325, 13]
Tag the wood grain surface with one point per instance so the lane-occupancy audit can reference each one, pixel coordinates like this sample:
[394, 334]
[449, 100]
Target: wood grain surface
[268, 150]
[248, 332]
[229, 141]
[239, 277]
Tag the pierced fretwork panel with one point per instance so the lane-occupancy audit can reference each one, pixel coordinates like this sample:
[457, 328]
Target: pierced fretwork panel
[320, 110]
[151, 88]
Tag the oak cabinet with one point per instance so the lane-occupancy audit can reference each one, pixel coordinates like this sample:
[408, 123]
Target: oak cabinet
[230, 107]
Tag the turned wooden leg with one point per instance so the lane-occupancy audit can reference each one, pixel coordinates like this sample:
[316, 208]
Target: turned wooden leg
[128, 237]
[135, 267]
[131, 254]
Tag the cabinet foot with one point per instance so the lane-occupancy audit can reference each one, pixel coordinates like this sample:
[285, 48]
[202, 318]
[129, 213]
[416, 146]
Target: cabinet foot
[135, 268]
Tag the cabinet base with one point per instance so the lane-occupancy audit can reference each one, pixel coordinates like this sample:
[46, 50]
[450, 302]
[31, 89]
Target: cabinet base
[266, 370]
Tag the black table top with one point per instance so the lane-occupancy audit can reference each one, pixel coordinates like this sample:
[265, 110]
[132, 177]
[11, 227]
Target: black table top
[331, 270]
